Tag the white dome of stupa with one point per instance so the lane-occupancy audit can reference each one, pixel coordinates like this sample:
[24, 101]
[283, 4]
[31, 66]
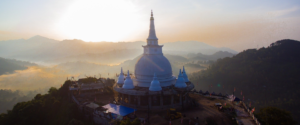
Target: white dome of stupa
[186, 79]
[121, 78]
[147, 65]
[180, 82]
[155, 85]
[128, 83]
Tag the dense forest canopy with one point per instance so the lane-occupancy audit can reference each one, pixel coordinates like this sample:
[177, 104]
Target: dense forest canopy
[266, 76]
[275, 116]
[52, 108]
[9, 98]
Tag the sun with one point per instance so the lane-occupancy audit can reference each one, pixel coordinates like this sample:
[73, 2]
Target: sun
[100, 20]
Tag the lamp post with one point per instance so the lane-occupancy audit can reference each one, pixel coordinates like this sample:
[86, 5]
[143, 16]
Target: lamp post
[182, 94]
[147, 93]
[182, 101]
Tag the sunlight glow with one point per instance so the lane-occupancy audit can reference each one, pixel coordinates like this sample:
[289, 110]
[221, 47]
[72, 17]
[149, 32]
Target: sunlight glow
[100, 20]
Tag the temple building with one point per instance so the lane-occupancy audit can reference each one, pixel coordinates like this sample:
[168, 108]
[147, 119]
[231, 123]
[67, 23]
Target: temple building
[154, 85]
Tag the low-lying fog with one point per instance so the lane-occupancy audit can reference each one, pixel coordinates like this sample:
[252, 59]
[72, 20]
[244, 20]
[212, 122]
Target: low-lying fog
[29, 70]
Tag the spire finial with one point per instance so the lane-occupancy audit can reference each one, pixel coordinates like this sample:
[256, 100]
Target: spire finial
[151, 13]
[128, 73]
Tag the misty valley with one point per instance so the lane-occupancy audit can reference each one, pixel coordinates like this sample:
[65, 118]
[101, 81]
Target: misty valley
[32, 66]
[266, 76]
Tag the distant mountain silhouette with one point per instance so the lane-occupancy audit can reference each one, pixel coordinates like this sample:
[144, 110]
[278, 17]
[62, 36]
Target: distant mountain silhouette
[215, 56]
[194, 47]
[92, 68]
[22, 48]
[41, 49]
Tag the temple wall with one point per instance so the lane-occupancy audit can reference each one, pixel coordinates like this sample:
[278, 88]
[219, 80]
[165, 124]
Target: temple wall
[143, 99]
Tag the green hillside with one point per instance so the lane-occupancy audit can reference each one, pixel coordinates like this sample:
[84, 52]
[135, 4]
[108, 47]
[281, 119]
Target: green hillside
[267, 76]
[53, 108]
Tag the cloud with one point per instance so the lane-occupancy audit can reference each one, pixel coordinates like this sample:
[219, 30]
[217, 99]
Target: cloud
[279, 13]
[33, 78]
[245, 32]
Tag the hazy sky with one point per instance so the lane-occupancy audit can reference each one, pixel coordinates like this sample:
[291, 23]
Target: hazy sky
[237, 24]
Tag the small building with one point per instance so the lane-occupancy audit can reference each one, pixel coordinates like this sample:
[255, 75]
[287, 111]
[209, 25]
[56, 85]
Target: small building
[91, 107]
[89, 85]
[118, 111]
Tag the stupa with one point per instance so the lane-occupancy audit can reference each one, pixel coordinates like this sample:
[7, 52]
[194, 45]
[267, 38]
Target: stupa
[153, 85]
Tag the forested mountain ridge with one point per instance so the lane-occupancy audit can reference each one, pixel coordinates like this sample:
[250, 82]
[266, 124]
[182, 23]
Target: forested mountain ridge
[266, 77]
[10, 65]
[53, 108]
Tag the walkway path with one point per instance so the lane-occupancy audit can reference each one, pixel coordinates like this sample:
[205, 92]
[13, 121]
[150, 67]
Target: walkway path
[243, 117]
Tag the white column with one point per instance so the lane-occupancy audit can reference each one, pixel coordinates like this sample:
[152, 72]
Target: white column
[149, 101]
[139, 100]
[172, 100]
[129, 99]
[180, 99]
[161, 101]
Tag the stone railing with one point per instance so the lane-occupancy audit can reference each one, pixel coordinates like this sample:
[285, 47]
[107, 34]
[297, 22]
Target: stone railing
[251, 114]
[157, 107]
[137, 92]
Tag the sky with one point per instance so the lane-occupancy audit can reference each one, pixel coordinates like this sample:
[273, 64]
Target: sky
[237, 24]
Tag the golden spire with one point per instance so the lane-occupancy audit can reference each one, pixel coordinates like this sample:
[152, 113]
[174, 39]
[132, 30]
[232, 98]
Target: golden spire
[151, 18]
[151, 13]
[152, 35]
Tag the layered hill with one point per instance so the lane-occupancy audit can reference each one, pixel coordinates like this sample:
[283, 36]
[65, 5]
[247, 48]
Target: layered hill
[10, 65]
[88, 65]
[41, 49]
[215, 56]
[265, 77]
